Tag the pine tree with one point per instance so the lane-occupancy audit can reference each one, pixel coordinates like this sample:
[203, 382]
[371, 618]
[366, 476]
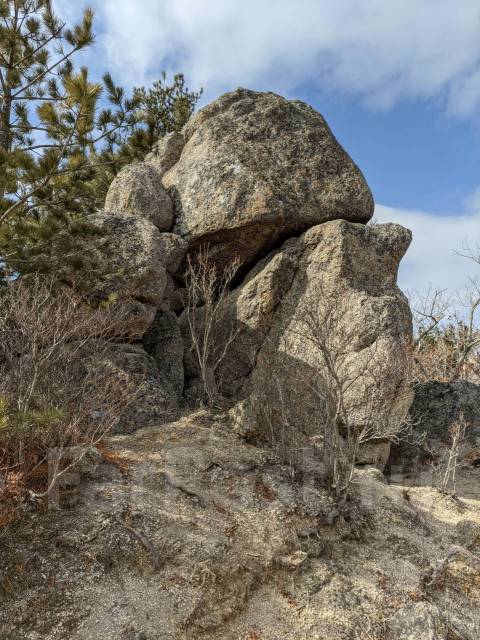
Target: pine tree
[46, 110]
[60, 146]
[49, 128]
[160, 109]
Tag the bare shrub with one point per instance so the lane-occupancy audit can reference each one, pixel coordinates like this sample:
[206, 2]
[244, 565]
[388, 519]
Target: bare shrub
[444, 463]
[211, 329]
[432, 354]
[342, 379]
[52, 396]
[450, 350]
[447, 332]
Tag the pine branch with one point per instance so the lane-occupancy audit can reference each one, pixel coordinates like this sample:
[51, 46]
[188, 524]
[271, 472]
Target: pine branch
[44, 73]
[6, 214]
[41, 46]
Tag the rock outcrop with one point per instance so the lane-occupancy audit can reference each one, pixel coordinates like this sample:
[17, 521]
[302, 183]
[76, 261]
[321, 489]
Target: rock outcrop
[154, 397]
[343, 298]
[197, 528]
[256, 169]
[338, 273]
[262, 180]
[438, 405]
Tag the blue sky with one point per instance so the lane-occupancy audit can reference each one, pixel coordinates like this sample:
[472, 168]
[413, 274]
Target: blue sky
[397, 80]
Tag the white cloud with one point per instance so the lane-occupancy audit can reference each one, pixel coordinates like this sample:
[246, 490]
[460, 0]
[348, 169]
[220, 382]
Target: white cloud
[431, 259]
[380, 50]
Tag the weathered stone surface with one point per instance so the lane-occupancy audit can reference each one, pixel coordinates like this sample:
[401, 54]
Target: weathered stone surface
[419, 621]
[435, 408]
[138, 190]
[249, 315]
[166, 152]
[189, 545]
[437, 405]
[164, 342]
[173, 249]
[375, 452]
[174, 296]
[345, 279]
[272, 364]
[257, 168]
[154, 400]
[137, 275]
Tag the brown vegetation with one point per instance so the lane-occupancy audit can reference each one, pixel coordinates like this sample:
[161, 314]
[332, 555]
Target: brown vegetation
[447, 332]
[55, 402]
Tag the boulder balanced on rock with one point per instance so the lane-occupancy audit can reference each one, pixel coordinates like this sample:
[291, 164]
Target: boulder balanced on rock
[261, 180]
[257, 168]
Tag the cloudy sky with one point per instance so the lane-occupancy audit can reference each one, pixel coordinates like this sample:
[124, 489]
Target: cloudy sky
[398, 81]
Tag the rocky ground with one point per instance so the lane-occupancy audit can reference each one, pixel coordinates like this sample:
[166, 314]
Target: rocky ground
[184, 531]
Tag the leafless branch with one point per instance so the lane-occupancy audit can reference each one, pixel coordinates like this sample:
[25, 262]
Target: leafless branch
[207, 288]
[55, 396]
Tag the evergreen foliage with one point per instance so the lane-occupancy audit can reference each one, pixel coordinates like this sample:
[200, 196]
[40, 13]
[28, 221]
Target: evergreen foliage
[64, 136]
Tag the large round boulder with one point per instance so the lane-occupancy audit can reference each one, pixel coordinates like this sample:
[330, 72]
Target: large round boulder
[257, 168]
